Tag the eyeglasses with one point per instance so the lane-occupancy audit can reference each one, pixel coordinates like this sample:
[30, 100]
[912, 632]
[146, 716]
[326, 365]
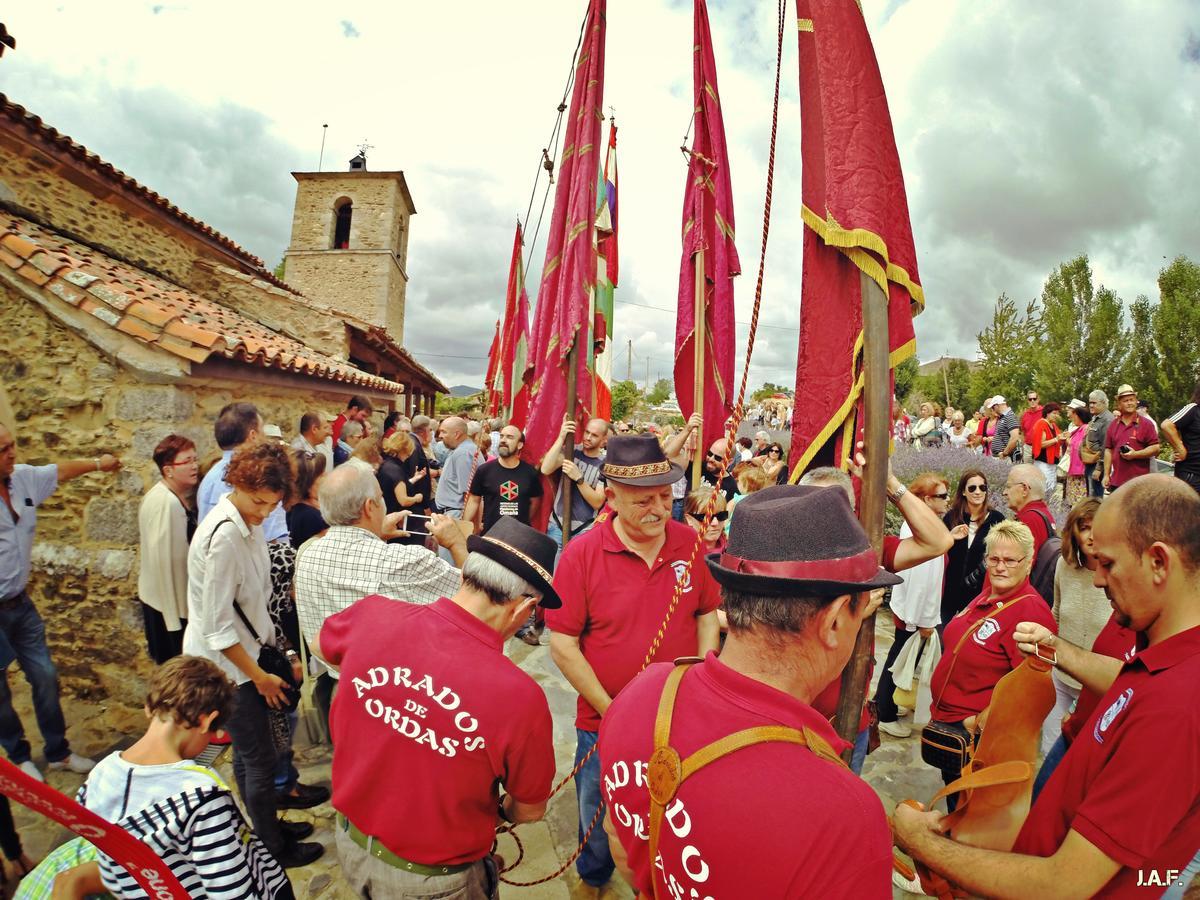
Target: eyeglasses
[774, 450]
[976, 488]
[941, 496]
[996, 562]
[712, 455]
[1032, 399]
[717, 516]
[1013, 484]
[186, 461]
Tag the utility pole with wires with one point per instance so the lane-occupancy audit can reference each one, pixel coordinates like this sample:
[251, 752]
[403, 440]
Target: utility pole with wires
[629, 360]
[321, 158]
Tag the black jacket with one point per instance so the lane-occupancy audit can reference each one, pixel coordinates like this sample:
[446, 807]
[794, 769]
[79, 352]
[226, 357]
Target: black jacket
[965, 567]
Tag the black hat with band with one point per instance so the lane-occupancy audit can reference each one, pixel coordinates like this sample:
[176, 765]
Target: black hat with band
[798, 540]
[638, 460]
[524, 552]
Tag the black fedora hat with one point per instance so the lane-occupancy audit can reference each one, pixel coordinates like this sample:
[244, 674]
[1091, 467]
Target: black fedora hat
[523, 552]
[638, 459]
[797, 540]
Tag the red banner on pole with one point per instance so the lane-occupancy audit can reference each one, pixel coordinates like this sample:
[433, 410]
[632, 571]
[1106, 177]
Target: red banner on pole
[143, 864]
[563, 317]
[707, 226]
[856, 219]
[514, 338]
[492, 383]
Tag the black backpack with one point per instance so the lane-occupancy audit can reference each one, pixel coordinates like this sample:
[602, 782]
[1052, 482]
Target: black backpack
[1042, 576]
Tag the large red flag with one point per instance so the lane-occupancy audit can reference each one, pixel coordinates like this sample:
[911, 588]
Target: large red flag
[562, 319]
[707, 226]
[514, 338]
[491, 385]
[856, 219]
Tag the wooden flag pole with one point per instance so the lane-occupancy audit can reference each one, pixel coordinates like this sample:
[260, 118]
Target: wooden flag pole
[568, 447]
[699, 332]
[877, 412]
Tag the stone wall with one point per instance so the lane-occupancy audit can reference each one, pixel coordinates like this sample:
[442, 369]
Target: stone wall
[364, 283]
[70, 401]
[35, 183]
[379, 215]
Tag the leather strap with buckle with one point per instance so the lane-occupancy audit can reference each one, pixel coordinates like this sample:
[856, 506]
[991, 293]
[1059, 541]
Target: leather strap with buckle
[386, 856]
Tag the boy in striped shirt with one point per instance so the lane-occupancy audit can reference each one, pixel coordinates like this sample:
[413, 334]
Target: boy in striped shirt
[183, 811]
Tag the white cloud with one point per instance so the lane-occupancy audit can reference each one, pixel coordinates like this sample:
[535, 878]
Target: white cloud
[1028, 132]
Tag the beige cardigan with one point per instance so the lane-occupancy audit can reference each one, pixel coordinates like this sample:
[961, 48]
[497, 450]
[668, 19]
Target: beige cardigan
[1080, 608]
[162, 573]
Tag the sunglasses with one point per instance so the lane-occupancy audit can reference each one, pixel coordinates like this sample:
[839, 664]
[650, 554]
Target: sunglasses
[1032, 399]
[717, 516]
[712, 455]
[976, 488]
[941, 496]
[773, 450]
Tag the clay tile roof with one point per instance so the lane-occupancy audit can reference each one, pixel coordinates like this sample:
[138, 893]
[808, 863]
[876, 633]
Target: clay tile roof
[155, 311]
[18, 115]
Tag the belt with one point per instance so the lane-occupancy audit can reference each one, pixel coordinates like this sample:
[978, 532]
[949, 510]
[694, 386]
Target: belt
[384, 855]
[15, 600]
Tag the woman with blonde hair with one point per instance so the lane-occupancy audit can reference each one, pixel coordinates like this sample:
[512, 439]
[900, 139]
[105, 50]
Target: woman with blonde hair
[695, 505]
[979, 648]
[398, 482]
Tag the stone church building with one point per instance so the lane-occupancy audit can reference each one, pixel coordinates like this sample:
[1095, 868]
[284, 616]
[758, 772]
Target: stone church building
[123, 319]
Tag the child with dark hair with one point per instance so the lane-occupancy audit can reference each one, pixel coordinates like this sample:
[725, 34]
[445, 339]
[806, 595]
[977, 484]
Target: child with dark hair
[181, 810]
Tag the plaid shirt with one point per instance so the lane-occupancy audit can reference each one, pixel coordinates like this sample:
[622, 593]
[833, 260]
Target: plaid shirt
[347, 563]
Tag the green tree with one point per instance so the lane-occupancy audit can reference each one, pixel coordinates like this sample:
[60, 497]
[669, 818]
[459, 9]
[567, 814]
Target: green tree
[1177, 334]
[905, 376]
[1141, 367]
[769, 390]
[279, 269]
[659, 393]
[1007, 351]
[625, 398]
[933, 386]
[1081, 343]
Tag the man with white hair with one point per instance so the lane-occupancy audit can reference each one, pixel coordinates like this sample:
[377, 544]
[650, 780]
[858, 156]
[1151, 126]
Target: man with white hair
[1092, 449]
[762, 440]
[439, 738]
[353, 558]
[1025, 491]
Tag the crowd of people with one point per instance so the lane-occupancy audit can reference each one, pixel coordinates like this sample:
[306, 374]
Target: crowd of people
[388, 561]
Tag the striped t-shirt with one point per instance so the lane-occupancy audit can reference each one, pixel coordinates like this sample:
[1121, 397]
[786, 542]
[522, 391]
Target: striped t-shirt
[187, 815]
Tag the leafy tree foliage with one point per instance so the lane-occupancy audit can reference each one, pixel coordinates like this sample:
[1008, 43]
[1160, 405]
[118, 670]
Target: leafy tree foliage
[769, 390]
[1081, 344]
[659, 393]
[1008, 351]
[905, 376]
[1177, 334]
[625, 398]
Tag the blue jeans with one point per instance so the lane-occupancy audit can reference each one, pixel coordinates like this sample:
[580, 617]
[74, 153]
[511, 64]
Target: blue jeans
[554, 532]
[595, 864]
[1049, 764]
[1095, 487]
[677, 509]
[23, 638]
[286, 775]
[859, 756]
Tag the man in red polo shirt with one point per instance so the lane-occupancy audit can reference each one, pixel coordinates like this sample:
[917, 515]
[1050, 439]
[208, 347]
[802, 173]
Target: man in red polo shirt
[358, 409]
[776, 818]
[1120, 816]
[616, 582]
[1130, 442]
[431, 720]
[1025, 491]
[1032, 414]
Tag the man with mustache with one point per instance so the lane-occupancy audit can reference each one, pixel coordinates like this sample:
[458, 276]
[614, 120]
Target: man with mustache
[616, 583]
[1121, 813]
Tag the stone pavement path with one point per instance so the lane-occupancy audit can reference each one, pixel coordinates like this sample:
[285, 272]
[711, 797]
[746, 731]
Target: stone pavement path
[894, 771]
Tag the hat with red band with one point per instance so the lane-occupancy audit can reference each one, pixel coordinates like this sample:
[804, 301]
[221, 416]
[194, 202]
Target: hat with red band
[800, 540]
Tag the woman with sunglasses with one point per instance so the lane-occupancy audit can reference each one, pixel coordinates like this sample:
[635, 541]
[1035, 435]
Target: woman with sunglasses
[969, 520]
[774, 464]
[694, 507]
[915, 604]
[979, 648]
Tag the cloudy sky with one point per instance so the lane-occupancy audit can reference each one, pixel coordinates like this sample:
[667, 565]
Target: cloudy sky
[1029, 132]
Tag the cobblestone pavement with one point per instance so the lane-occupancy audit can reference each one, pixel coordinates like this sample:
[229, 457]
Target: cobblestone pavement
[894, 771]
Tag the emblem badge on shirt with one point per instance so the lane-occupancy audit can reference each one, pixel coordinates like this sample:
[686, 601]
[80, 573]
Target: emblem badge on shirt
[682, 574]
[1110, 714]
[986, 630]
[508, 490]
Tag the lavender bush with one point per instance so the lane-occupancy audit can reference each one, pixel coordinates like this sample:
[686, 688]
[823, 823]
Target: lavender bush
[951, 462]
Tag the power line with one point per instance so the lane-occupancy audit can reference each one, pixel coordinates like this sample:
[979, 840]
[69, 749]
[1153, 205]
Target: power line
[668, 309]
[444, 355]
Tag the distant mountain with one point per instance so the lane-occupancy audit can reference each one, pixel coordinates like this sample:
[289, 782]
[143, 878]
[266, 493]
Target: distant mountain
[464, 390]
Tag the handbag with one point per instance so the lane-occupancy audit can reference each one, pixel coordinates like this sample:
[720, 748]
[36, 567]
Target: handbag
[948, 745]
[272, 661]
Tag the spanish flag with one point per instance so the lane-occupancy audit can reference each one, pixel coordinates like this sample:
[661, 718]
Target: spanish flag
[855, 216]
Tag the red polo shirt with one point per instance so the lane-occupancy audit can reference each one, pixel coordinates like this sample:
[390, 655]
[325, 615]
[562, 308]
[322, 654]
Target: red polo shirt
[429, 718]
[615, 604]
[1140, 435]
[771, 820]
[338, 424]
[1028, 515]
[986, 656]
[1130, 783]
[1116, 641]
[1029, 418]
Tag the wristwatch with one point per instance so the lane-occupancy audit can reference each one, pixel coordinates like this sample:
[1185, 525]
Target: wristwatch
[895, 498]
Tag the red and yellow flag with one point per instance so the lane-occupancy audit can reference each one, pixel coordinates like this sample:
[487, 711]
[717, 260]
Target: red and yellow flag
[856, 220]
[566, 295]
[708, 227]
[514, 339]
